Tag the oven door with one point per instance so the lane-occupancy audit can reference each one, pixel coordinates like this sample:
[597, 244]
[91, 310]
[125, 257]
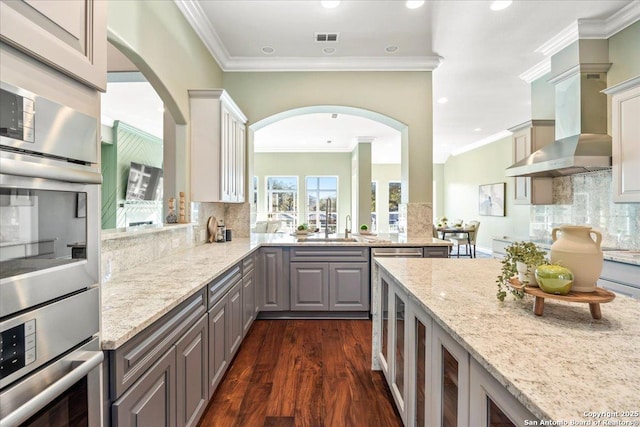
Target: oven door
[49, 214]
[65, 393]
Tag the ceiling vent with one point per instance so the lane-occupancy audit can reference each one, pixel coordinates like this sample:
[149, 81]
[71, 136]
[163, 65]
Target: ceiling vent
[326, 37]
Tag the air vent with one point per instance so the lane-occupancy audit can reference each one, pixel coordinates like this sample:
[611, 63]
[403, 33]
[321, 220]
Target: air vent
[334, 115]
[592, 76]
[326, 37]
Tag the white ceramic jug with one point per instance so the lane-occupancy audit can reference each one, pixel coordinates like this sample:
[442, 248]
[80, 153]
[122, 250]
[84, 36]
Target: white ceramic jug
[576, 250]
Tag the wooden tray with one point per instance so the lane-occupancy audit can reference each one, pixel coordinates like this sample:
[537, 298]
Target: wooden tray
[594, 299]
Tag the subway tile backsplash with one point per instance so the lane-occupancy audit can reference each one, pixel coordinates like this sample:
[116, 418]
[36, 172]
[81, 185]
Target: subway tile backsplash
[589, 202]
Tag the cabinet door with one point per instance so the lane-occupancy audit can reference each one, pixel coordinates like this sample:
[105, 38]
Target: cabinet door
[625, 129]
[192, 387]
[71, 38]
[225, 154]
[490, 404]
[248, 300]
[240, 161]
[309, 286]
[399, 347]
[450, 377]
[151, 401]
[420, 409]
[349, 286]
[383, 355]
[521, 149]
[273, 285]
[218, 347]
[234, 302]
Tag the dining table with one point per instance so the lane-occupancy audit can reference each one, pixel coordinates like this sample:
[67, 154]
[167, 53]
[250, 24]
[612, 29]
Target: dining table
[458, 230]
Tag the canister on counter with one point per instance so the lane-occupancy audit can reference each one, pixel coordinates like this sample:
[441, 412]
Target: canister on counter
[228, 234]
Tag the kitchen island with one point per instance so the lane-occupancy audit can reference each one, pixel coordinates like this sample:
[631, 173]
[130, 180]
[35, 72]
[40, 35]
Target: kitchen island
[563, 367]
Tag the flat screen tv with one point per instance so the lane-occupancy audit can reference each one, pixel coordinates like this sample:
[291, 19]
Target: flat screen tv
[145, 182]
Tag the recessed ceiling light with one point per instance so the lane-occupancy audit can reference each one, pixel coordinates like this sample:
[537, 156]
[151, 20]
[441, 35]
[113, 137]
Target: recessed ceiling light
[414, 4]
[330, 4]
[268, 50]
[500, 4]
[334, 115]
[443, 100]
[477, 129]
[329, 50]
[391, 49]
[329, 142]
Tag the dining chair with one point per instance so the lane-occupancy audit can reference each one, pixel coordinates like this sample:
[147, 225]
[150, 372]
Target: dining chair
[467, 239]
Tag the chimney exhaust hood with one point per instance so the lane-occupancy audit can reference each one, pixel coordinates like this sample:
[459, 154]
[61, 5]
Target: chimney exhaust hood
[582, 143]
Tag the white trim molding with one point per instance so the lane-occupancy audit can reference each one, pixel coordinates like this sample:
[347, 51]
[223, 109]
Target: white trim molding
[197, 18]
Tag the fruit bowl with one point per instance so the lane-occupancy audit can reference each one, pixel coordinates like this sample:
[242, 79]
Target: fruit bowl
[554, 279]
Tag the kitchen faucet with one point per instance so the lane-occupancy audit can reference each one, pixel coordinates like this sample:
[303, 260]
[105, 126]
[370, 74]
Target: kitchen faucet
[326, 218]
[347, 228]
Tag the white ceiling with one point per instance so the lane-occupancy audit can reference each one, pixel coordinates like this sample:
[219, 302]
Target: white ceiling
[477, 54]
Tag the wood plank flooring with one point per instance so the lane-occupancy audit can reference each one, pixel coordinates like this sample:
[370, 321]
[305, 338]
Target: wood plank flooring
[303, 373]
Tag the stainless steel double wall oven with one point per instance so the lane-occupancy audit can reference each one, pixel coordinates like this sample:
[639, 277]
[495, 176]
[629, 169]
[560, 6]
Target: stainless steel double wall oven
[50, 362]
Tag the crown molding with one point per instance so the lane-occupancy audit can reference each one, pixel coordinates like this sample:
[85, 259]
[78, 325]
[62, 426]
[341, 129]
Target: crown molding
[428, 63]
[582, 29]
[534, 73]
[196, 17]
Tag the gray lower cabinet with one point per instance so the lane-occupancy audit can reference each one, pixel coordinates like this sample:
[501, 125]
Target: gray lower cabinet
[234, 300]
[249, 306]
[436, 251]
[273, 279]
[192, 387]
[320, 282]
[349, 286]
[218, 343]
[309, 286]
[151, 401]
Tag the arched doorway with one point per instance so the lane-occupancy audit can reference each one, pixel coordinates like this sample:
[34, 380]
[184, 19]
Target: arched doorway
[333, 152]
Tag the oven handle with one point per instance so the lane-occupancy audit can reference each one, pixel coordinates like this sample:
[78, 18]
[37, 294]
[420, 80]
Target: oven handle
[40, 170]
[42, 399]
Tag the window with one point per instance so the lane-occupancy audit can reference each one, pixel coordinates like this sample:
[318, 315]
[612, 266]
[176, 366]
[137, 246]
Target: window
[395, 191]
[282, 196]
[319, 189]
[374, 215]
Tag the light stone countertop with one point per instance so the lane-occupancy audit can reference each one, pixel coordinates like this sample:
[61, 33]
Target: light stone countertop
[134, 299]
[558, 365]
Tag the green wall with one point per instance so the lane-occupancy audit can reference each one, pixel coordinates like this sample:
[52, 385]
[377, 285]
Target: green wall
[303, 165]
[403, 96]
[624, 54]
[129, 145]
[485, 165]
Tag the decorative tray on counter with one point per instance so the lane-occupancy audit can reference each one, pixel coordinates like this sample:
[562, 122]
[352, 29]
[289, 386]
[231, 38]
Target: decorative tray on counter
[594, 299]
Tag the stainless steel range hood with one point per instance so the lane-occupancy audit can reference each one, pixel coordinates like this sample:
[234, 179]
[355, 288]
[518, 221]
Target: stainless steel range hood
[582, 143]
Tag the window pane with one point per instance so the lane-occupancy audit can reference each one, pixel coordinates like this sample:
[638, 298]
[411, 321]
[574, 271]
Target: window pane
[328, 183]
[395, 190]
[282, 183]
[312, 183]
[374, 186]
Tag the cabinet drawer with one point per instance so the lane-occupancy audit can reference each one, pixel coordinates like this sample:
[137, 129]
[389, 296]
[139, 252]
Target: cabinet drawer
[248, 264]
[436, 252]
[131, 361]
[219, 287]
[319, 253]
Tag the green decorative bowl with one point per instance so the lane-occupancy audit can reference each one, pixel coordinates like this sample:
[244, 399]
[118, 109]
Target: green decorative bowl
[554, 279]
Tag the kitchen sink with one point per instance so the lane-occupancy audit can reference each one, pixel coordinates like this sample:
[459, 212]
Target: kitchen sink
[327, 239]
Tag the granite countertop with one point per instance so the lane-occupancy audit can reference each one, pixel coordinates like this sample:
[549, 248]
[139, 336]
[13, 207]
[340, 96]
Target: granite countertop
[134, 299]
[611, 254]
[560, 365]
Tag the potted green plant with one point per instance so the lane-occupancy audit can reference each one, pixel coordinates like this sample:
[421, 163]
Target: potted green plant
[529, 256]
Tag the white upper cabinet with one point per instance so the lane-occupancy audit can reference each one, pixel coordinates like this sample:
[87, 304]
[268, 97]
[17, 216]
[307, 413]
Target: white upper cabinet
[529, 137]
[218, 138]
[625, 132]
[70, 36]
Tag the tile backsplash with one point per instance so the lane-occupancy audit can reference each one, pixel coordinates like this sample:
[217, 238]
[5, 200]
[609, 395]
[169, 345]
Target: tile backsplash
[589, 202]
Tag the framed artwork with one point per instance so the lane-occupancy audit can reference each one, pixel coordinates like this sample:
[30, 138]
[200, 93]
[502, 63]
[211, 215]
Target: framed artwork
[491, 199]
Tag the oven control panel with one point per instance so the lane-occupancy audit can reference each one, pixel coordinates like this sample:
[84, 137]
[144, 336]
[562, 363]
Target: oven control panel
[17, 347]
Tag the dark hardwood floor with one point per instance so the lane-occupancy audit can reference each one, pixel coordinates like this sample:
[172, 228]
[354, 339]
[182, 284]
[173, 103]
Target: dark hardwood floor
[303, 373]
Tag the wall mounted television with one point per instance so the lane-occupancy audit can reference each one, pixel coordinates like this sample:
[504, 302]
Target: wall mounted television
[145, 182]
